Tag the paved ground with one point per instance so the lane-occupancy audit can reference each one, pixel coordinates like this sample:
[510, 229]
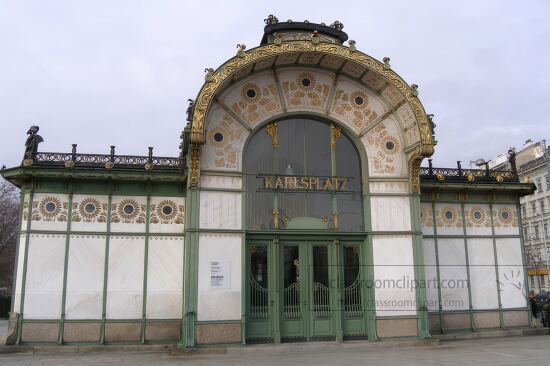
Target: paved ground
[524, 351]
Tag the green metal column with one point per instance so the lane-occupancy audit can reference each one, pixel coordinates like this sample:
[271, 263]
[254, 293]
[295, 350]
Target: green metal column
[274, 286]
[436, 248]
[501, 317]
[106, 265]
[466, 255]
[419, 274]
[145, 263]
[336, 291]
[190, 284]
[66, 264]
[367, 270]
[24, 273]
[524, 258]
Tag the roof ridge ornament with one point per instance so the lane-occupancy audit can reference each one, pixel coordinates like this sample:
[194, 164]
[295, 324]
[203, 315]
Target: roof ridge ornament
[352, 47]
[271, 19]
[337, 25]
[387, 65]
[209, 74]
[241, 53]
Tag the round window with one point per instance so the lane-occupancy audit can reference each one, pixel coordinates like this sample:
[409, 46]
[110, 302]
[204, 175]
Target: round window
[167, 210]
[89, 208]
[128, 209]
[306, 82]
[50, 207]
[218, 137]
[359, 100]
[448, 215]
[251, 93]
[390, 145]
[477, 215]
[505, 215]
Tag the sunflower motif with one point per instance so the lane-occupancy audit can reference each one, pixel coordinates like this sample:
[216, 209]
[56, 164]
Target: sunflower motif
[89, 208]
[128, 209]
[390, 144]
[167, 210]
[477, 216]
[306, 80]
[448, 216]
[217, 136]
[250, 93]
[359, 99]
[50, 207]
[506, 216]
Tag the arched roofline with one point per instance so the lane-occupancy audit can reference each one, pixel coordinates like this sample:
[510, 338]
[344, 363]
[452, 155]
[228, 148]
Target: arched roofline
[216, 81]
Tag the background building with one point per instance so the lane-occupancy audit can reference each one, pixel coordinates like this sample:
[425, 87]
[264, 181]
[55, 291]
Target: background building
[533, 162]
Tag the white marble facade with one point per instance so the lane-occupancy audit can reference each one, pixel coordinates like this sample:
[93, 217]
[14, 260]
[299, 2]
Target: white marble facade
[82, 235]
[486, 242]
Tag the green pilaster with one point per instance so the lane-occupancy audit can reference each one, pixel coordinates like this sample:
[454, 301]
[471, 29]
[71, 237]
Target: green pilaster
[501, 316]
[244, 271]
[66, 264]
[106, 266]
[273, 285]
[337, 300]
[25, 260]
[419, 274]
[145, 265]
[190, 284]
[466, 255]
[367, 270]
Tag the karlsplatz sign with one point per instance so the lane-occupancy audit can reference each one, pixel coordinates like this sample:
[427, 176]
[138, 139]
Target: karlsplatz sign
[301, 183]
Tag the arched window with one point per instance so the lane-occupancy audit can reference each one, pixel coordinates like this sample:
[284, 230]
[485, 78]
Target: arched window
[302, 174]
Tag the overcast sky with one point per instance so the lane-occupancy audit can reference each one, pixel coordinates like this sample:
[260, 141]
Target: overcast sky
[102, 73]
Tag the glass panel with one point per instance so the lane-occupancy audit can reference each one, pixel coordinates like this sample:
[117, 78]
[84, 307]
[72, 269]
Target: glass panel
[321, 291]
[259, 158]
[303, 149]
[350, 206]
[291, 281]
[352, 282]
[258, 282]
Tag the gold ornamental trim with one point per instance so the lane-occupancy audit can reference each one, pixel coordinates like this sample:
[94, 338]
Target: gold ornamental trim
[211, 88]
[271, 130]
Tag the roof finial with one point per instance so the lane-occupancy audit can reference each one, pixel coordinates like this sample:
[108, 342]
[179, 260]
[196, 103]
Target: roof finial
[337, 25]
[271, 19]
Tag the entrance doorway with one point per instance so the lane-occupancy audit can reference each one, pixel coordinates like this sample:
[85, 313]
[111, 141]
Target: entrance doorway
[301, 290]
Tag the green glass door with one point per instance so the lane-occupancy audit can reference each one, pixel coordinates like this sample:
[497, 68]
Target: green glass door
[259, 322]
[353, 309]
[306, 294]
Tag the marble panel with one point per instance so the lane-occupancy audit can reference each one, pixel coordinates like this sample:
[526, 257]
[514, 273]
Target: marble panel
[85, 274]
[165, 277]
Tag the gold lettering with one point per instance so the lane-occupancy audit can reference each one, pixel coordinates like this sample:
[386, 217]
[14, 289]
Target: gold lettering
[268, 183]
[328, 184]
[304, 183]
[344, 182]
[311, 183]
[317, 184]
[279, 183]
[288, 182]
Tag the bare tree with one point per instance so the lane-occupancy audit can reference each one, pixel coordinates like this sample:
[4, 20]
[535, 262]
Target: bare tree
[9, 218]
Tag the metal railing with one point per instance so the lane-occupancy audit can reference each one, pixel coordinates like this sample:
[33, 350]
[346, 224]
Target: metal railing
[459, 174]
[106, 161]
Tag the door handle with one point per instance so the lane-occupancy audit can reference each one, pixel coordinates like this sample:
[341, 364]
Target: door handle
[303, 301]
